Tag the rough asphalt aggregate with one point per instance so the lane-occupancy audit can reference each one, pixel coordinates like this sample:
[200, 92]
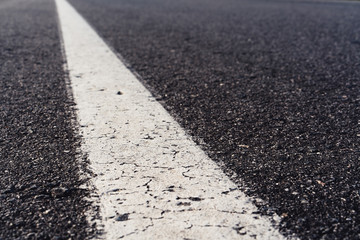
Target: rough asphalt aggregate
[40, 196]
[270, 88]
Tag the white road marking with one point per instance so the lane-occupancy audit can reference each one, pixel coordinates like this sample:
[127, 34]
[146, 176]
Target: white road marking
[152, 180]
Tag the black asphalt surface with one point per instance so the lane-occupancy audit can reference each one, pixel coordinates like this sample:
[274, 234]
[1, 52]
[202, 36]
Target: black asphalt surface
[40, 196]
[272, 89]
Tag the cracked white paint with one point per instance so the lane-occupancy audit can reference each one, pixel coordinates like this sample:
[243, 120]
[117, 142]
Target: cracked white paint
[152, 181]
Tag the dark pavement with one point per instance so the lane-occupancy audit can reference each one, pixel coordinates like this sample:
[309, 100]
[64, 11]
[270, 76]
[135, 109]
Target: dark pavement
[269, 88]
[40, 196]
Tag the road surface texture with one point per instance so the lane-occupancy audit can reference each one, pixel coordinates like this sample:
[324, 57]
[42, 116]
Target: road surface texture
[39, 181]
[270, 88]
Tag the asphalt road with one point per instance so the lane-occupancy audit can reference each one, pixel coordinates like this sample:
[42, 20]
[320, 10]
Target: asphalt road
[270, 89]
[39, 181]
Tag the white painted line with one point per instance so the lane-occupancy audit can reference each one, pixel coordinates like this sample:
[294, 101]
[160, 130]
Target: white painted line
[152, 181]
